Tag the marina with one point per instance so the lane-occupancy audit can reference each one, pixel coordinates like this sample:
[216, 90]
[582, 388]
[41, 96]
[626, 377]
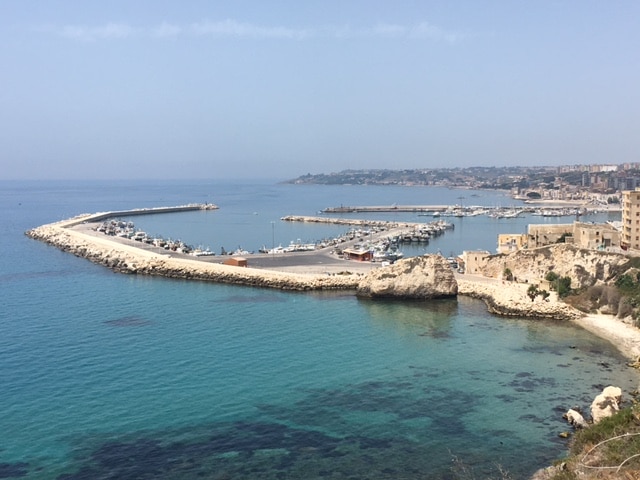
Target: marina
[374, 241]
[229, 365]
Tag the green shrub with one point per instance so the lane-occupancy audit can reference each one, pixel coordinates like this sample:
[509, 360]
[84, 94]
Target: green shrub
[532, 292]
[507, 274]
[626, 282]
[551, 277]
[619, 424]
[563, 286]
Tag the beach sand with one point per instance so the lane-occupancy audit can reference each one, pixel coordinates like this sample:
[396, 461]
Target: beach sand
[625, 337]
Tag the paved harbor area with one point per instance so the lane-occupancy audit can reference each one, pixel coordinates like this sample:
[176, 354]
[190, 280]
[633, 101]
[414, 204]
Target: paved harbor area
[318, 261]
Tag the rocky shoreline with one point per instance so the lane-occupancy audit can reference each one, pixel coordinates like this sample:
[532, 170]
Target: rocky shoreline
[511, 299]
[501, 297]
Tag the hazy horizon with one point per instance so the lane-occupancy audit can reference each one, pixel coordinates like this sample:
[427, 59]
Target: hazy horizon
[275, 90]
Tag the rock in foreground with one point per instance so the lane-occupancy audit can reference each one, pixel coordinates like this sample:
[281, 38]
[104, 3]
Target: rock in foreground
[420, 278]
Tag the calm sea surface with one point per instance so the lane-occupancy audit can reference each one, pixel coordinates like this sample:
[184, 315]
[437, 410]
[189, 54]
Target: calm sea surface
[104, 375]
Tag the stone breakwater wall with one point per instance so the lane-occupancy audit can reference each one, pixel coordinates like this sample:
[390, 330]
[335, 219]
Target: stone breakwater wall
[502, 298]
[128, 259]
[511, 299]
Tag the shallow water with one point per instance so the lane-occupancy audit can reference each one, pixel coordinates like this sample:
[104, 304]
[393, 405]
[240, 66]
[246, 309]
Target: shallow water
[113, 376]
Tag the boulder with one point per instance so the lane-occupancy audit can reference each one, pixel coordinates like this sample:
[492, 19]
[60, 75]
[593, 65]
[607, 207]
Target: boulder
[613, 392]
[606, 404]
[421, 278]
[575, 418]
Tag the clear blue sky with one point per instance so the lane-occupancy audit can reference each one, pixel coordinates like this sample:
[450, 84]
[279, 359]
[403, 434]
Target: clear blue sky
[218, 89]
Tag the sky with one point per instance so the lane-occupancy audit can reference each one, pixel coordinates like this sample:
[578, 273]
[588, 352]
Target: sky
[155, 89]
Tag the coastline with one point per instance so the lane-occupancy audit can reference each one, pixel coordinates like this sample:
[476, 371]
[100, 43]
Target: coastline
[510, 299]
[122, 257]
[501, 297]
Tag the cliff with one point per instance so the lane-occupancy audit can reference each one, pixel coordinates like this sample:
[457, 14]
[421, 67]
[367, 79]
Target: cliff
[511, 299]
[585, 267]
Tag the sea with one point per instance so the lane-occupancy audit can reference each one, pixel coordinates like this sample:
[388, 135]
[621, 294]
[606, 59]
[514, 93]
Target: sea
[113, 376]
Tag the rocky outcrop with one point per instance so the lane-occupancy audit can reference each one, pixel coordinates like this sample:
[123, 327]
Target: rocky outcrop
[511, 299]
[575, 418]
[584, 267]
[424, 277]
[606, 404]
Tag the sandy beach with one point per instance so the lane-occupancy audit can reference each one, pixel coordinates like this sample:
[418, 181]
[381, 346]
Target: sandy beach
[623, 336]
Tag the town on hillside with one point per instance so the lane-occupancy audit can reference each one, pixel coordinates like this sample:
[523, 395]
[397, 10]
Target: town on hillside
[603, 184]
[591, 183]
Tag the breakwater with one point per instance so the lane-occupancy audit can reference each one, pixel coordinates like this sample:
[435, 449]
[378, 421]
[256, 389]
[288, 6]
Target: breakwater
[122, 258]
[101, 216]
[509, 299]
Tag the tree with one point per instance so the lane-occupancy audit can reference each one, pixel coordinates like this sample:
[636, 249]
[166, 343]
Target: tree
[551, 277]
[563, 286]
[507, 274]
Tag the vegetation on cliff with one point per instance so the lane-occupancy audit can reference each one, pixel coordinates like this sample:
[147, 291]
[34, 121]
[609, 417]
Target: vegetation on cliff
[609, 449]
[619, 297]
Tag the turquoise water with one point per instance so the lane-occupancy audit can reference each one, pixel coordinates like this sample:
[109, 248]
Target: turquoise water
[112, 376]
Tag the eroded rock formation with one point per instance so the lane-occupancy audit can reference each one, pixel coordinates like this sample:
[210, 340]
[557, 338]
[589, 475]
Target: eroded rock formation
[511, 299]
[585, 267]
[606, 404]
[423, 277]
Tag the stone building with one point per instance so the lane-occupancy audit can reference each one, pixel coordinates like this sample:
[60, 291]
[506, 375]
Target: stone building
[474, 261]
[541, 235]
[512, 242]
[593, 236]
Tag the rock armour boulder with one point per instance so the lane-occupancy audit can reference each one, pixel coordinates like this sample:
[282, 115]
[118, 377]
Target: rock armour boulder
[134, 261]
[424, 277]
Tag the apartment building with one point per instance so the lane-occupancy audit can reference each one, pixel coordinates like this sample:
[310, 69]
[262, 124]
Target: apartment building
[630, 219]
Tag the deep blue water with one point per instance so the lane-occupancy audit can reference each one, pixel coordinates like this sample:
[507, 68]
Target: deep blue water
[106, 375]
